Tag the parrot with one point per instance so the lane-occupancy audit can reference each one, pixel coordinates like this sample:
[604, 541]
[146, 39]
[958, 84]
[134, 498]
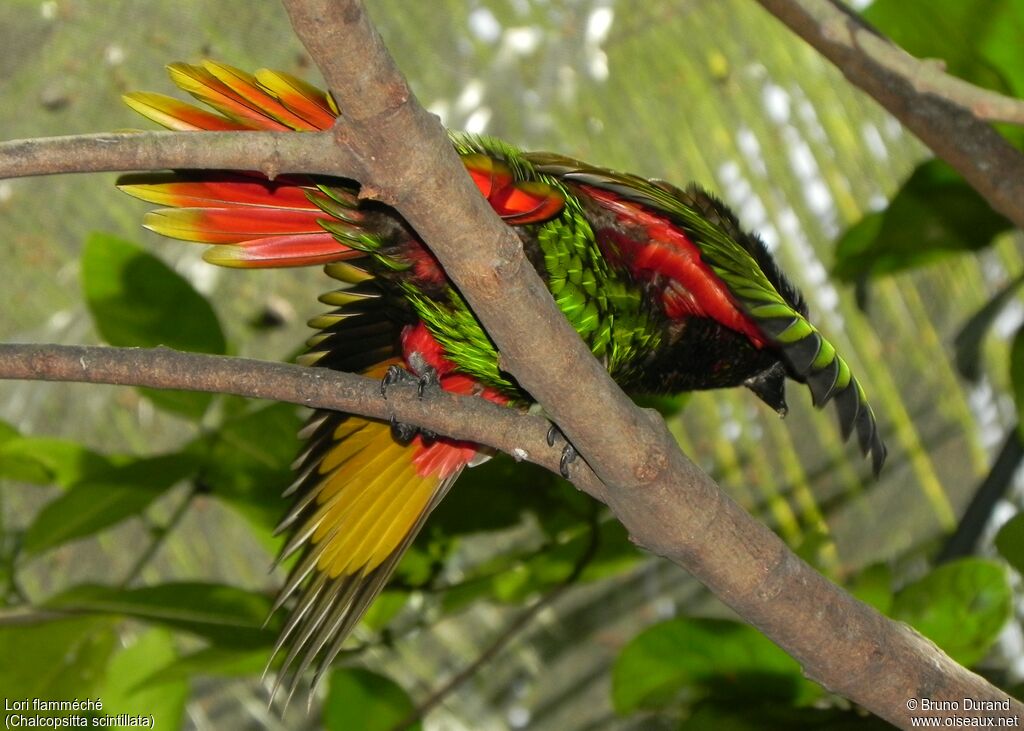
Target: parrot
[662, 283]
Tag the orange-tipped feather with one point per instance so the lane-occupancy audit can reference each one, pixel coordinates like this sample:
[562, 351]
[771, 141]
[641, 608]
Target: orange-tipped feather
[230, 225]
[315, 107]
[176, 114]
[217, 189]
[298, 250]
[246, 87]
[208, 89]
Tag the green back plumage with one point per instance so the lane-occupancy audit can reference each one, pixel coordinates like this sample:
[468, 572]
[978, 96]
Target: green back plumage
[741, 261]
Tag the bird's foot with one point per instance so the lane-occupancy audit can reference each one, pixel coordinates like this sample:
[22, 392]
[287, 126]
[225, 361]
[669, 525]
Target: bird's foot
[426, 377]
[569, 453]
[423, 374]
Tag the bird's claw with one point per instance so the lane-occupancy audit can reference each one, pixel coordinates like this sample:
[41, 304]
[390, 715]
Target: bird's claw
[428, 378]
[395, 374]
[425, 377]
[403, 433]
[569, 453]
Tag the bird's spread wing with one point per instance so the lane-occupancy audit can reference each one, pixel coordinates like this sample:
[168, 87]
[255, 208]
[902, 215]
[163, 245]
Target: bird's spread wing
[733, 257]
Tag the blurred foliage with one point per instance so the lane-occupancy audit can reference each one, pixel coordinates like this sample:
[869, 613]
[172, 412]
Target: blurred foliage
[961, 606]
[702, 658]
[935, 214]
[123, 507]
[1010, 542]
[358, 698]
[137, 300]
[706, 669]
[977, 40]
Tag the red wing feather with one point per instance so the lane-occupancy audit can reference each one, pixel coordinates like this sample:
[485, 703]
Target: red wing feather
[664, 250]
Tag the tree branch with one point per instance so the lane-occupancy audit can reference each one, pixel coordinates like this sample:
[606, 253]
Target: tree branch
[929, 77]
[935, 107]
[462, 417]
[668, 505]
[271, 153]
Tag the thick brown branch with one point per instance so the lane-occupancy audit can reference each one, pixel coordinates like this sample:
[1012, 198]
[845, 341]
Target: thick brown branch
[271, 153]
[668, 505]
[905, 87]
[462, 417]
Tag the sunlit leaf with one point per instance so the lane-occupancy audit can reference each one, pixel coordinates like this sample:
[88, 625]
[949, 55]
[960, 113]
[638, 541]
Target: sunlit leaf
[55, 660]
[223, 614]
[47, 461]
[1010, 542]
[706, 657]
[364, 700]
[961, 606]
[137, 300]
[935, 214]
[122, 694]
[210, 661]
[384, 608]
[873, 586]
[978, 40]
[105, 499]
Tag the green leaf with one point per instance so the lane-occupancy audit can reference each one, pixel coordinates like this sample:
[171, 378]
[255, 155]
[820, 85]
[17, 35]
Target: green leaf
[121, 692]
[7, 432]
[766, 716]
[210, 661]
[614, 554]
[934, 214]
[666, 405]
[490, 497]
[105, 499]
[1010, 542]
[45, 461]
[1017, 375]
[384, 608]
[225, 615]
[708, 657]
[873, 586]
[137, 300]
[967, 343]
[62, 659]
[513, 577]
[979, 40]
[364, 700]
[247, 462]
[961, 606]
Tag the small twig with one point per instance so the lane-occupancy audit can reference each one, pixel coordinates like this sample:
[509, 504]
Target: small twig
[514, 628]
[928, 75]
[159, 533]
[23, 615]
[939, 109]
[930, 78]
